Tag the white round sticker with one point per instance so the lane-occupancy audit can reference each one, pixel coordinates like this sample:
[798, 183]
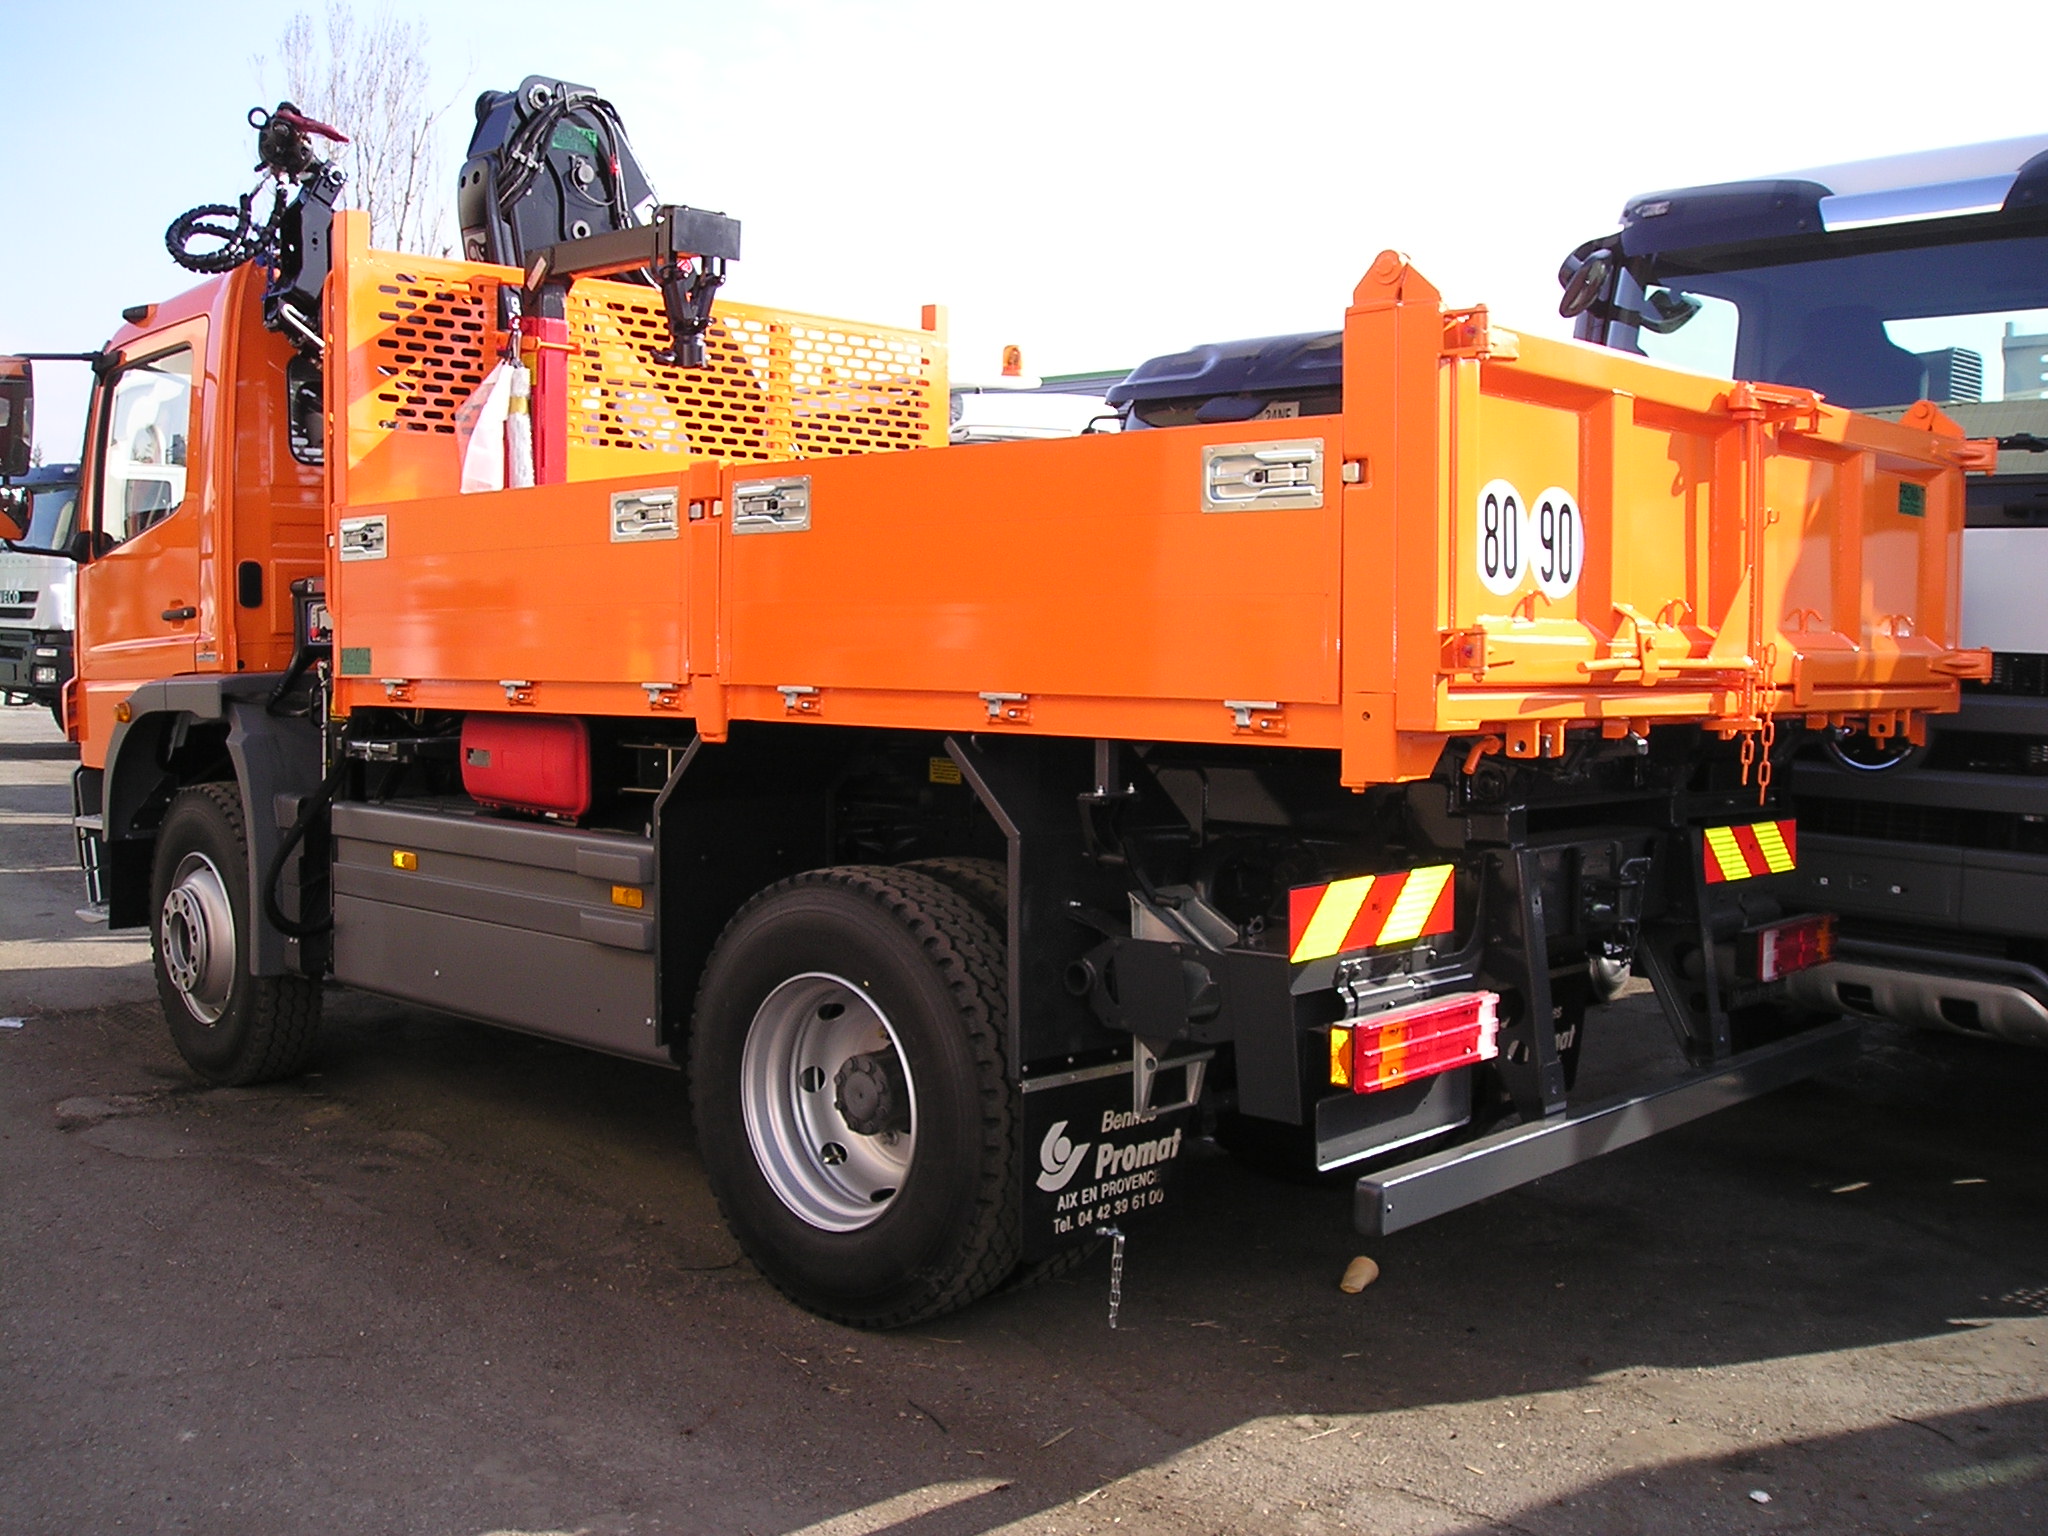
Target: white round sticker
[1500, 542]
[1556, 543]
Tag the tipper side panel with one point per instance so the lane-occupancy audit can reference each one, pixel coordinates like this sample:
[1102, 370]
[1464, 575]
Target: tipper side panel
[1588, 537]
[1075, 587]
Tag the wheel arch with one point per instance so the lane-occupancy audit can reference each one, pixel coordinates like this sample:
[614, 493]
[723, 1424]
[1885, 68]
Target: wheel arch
[204, 730]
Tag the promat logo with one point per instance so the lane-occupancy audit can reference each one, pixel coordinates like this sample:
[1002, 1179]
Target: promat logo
[1370, 910]
[1059, 1159]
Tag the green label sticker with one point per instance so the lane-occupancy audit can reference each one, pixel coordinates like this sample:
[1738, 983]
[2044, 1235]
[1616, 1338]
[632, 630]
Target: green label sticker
[355, 661]
[1912, 499]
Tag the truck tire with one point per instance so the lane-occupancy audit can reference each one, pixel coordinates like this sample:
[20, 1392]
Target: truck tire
[232, 1028]
[852, 1104]
[985, 882]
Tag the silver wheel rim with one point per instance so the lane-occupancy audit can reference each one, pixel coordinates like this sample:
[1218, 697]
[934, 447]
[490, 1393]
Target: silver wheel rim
[834, 1177]
[199, 937]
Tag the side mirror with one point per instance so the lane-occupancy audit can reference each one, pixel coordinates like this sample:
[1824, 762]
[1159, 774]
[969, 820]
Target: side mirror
[17, 416]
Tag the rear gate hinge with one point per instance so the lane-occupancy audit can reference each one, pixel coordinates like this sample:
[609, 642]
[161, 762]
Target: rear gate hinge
[1257, 717]
[1011, 708]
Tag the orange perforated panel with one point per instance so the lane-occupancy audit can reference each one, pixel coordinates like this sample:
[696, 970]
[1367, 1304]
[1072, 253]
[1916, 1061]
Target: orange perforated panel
[433, 351]
[417, 334]
[778, 385]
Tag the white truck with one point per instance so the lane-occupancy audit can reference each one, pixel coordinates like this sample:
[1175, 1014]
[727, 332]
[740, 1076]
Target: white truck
[38, 587]
[1882, 284]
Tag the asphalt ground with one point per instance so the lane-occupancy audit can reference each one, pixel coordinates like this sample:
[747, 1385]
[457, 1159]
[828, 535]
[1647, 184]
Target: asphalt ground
[456, 1281]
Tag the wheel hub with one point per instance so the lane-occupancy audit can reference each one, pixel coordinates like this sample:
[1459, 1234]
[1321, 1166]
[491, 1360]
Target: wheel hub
[831, 1110]
[871, 1095]
[198, 928]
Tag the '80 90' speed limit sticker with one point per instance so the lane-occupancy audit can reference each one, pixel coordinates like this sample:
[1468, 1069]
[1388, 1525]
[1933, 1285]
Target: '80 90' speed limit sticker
[1516, 542]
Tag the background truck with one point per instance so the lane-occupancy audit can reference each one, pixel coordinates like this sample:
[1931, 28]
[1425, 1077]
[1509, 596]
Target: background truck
[37, 585]
[1919, 278]
[973, 823]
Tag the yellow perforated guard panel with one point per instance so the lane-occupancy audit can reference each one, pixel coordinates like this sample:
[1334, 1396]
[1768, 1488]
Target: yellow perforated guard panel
[423, 334]
[779, 385]
[431, 351]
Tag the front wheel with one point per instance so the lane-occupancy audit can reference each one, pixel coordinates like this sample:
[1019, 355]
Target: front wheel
[852, 1106]
[232, 1028]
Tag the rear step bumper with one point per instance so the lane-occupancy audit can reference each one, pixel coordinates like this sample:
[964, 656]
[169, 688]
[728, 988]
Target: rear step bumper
[1417, 1191]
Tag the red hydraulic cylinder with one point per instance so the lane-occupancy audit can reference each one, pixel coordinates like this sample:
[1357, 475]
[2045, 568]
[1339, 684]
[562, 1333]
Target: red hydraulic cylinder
[544, 347]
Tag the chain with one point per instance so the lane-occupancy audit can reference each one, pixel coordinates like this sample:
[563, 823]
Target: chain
[1116, 1269]
[1767, 702]
[1759, 701]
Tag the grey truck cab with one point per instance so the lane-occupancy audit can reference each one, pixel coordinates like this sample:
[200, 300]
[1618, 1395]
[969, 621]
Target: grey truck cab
[1879, 284]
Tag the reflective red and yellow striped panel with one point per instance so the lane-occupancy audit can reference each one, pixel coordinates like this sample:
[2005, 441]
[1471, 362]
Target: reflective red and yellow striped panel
[1761, 848]
[1368, 910]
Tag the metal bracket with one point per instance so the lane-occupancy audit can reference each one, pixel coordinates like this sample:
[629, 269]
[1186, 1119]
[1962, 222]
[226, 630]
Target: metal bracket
[772, 506]
[363, 538]
[1013, 707]
[1257, 717]
[1467, 333]
[397, 690]
[1145, 1071]
[798, 699]
[1517, 958]
[662, 695]
[1240, 477]
[518, 690]
[640, 516]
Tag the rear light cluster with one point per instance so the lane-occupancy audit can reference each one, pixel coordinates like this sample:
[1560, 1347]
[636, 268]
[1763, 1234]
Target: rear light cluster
[1419, 1040]
[1782, 948]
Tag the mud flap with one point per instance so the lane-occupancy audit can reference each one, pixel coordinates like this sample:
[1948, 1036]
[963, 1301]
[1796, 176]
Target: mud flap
[1090, 1158]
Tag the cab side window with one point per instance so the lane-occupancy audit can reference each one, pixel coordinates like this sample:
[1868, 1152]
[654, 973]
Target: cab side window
[148, 427]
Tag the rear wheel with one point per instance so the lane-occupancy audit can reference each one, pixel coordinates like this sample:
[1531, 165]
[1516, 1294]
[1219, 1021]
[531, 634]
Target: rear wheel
[985, 882]
[852, 1104]
[232, 1028]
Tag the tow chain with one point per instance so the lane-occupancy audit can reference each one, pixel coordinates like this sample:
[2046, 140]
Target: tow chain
[1767, 703]
[1116, 1269]
[1759, 703]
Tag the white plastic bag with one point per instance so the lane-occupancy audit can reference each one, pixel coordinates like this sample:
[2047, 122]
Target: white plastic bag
[480, 431]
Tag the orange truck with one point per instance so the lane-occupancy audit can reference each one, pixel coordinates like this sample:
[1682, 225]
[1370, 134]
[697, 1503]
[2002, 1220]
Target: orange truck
[978, 826]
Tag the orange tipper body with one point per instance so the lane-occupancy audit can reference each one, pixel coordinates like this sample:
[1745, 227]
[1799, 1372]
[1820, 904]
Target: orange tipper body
[969, 819]
[1500, 538]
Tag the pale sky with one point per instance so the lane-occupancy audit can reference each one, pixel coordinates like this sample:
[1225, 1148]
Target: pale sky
[1097, 182]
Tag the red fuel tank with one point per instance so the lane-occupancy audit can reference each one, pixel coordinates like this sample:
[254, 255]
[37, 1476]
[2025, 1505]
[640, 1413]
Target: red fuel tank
[527, 763]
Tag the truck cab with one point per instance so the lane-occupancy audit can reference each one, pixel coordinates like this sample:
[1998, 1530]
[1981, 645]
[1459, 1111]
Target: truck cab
[38, 589]
[199, 500]
[1896, 287]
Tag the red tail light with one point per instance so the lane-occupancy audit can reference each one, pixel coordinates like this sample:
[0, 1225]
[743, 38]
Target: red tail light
[1799, 945]
[1420, 1040]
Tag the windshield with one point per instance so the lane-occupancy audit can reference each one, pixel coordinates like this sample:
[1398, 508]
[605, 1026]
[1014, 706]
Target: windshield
[1962, 324]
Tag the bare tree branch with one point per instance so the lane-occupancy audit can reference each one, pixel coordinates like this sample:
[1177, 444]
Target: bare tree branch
[370, 79]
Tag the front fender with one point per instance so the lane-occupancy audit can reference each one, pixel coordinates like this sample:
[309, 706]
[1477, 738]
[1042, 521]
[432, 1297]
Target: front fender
[276, 762]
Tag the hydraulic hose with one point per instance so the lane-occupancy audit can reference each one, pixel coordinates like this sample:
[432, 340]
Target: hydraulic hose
[314, 807]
